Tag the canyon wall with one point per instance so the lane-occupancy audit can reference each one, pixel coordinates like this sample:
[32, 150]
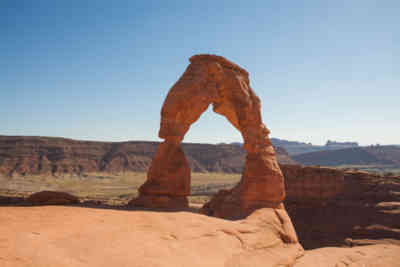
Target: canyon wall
[20, 155]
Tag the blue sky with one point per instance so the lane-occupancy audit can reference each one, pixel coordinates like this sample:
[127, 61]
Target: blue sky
[100, 70]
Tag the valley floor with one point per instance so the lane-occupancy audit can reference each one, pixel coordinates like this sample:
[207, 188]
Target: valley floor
[110, 189]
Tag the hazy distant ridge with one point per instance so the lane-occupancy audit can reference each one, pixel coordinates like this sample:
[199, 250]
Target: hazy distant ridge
[295, 147]
[371, 155]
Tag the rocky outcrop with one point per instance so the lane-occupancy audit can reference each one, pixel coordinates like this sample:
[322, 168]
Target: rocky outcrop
[51, 198]
[312, 184]
[336, 208]
[283, 156]
[211, 79]
[24, 155]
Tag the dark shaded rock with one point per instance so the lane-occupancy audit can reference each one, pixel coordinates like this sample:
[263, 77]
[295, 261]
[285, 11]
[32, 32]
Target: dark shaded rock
[7, 200]
[329, 206]
[52, 198]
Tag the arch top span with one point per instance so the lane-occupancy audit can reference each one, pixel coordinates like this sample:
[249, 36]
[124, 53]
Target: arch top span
[211, 79]
[214, 58]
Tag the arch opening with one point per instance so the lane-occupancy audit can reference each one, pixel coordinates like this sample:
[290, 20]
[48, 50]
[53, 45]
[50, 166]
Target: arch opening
[212, 128]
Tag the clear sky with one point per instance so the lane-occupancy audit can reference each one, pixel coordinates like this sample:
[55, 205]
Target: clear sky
[100, 70]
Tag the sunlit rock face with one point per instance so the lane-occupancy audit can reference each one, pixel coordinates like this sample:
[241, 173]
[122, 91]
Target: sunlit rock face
[211, 79]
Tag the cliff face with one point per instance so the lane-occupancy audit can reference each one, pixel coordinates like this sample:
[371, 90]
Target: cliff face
[21, 155]
[333, 207]
[43, 155]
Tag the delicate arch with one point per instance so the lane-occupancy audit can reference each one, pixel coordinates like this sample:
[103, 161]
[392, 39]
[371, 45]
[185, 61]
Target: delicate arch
[211, 79]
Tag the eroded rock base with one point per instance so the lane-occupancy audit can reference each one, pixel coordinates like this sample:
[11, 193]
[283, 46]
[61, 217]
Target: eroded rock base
[227, 204]
[160, 202]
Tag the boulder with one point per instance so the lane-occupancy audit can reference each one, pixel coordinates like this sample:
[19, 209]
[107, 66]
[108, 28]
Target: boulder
[51, 198]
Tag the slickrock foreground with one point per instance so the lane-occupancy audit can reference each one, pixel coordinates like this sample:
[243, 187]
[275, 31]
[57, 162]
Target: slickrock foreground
[73, 236]
[211, 79]
[363, 256]
[82, 237]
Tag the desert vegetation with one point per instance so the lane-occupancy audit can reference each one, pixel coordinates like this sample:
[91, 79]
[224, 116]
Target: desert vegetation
[110, 188]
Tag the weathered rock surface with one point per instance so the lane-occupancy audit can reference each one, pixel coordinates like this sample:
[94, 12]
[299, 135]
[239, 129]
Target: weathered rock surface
[330, 207]
[51, 198]
[29, 155]
[74, 236]
[365, 256]
[84, 237]
[211, 79]
[312, 184]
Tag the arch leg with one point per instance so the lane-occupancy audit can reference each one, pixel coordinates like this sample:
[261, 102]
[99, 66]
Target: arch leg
[168, 179]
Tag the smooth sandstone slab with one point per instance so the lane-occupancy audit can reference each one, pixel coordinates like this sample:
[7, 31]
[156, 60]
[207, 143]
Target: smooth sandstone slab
[363, 256]
[75, 236]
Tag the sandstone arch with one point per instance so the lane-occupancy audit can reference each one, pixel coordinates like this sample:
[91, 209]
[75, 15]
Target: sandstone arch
[211, 79]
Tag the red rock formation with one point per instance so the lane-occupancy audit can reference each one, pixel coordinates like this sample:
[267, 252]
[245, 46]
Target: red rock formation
[311, 184]
[168, 181]
[331, 207]
[211, 79]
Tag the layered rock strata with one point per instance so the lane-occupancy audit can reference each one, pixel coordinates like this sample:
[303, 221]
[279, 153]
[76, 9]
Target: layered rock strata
[56, 156]
[330, 207]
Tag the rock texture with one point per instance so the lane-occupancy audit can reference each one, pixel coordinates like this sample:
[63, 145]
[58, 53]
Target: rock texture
[29, 155]
[211, 79]
[312, 184]
[336, 208]
[51, 198]
[366, 256]
[74, 236]
[84, 237]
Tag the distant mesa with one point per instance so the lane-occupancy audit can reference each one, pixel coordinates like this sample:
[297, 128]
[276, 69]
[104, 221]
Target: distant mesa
[371, 155]
[29, 155]
[295, 147]
[341, 144]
